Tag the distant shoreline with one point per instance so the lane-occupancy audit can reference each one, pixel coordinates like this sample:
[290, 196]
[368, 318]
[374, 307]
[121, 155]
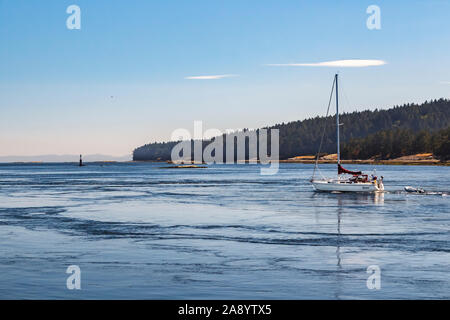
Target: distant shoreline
[433, 162]
[372, 162]
[71, 162]
[377, 162]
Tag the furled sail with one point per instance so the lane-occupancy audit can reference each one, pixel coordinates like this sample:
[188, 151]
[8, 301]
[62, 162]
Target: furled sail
[342, 170]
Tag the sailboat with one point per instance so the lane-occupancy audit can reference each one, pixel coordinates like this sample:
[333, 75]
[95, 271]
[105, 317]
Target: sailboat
[347, 180]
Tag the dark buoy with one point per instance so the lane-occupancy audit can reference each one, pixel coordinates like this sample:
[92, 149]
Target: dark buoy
[81, 161]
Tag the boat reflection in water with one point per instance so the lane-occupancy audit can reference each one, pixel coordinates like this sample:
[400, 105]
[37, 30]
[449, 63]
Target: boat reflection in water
[353, 198]
[344, 203]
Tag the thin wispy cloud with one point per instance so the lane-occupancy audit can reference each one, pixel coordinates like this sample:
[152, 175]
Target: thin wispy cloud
[211, 77]
[445, 82]
[350, 63]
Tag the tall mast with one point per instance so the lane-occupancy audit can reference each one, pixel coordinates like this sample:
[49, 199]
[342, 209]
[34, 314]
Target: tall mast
[337, 121]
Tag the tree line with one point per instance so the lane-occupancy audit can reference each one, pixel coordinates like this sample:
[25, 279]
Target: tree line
[394, 143]
[416, 124]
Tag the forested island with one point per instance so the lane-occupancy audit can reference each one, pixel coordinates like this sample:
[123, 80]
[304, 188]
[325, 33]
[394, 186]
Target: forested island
[377, 134]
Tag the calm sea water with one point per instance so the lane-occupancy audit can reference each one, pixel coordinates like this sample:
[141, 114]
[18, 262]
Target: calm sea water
[223, 232]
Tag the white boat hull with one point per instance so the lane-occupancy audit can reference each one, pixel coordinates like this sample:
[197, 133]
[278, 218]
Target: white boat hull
[343, 186]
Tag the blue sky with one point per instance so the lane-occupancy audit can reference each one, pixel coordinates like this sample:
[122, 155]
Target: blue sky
[120, 81]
